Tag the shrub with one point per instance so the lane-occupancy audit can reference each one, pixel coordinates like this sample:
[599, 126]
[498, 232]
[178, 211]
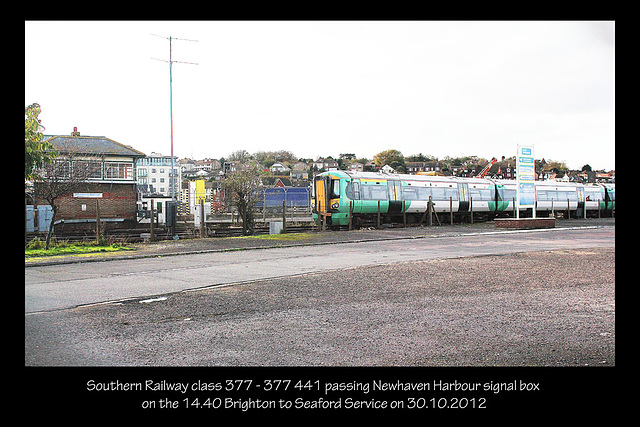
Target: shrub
[36, 243]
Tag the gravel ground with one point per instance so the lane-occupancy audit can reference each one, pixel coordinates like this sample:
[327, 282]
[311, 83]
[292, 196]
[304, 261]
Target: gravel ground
[551, 308]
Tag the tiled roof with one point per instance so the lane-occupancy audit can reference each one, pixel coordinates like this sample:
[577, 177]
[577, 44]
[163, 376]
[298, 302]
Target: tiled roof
[95, 145]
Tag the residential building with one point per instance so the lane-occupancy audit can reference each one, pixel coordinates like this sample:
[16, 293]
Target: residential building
[507, 172]
[325, 164]
[154, 175]
[279, 168]
[415, 167]
[299, 173]
[355, 167]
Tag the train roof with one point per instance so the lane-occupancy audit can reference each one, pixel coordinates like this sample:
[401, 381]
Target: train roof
[440, 178]
[403, 177]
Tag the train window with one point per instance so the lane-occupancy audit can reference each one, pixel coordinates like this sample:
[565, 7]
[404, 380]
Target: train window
[335, 189]
[353, 190]
[508, 194]
[557, 195]
[594, 194]
[570, 195]
[374, 192]
[451, 193]
[423, 193]
[481, 194]
[409, 193]
[437, 193]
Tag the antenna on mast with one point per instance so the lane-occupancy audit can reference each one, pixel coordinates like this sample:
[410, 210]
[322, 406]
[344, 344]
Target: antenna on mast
[171, 61]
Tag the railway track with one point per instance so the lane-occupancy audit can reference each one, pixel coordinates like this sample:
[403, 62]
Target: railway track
[141, 234]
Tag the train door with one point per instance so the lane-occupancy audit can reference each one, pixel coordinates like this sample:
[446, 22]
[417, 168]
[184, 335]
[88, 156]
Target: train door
[353, 193]
[463, 194]
[581, 204]
[395, 196]
[322, 191]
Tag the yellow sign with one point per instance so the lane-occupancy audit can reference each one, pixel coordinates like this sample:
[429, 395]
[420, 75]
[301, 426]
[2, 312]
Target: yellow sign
[200, 190]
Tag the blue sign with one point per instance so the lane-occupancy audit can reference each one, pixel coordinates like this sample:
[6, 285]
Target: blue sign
[525, 170]
[527, 194]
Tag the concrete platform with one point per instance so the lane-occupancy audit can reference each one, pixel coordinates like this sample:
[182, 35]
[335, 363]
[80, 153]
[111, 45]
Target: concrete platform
[524, 223]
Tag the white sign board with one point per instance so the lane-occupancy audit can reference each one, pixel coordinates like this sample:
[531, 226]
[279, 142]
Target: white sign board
[88, 195]
[525, 171]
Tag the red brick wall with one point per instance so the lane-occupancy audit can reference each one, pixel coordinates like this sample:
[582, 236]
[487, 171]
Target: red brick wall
[118, 201]
[525, 223]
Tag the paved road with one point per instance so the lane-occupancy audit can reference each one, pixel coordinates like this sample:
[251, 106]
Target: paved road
[544, 298]
[58, 287]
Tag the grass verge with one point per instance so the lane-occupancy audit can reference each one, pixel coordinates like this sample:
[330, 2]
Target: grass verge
[35, 250]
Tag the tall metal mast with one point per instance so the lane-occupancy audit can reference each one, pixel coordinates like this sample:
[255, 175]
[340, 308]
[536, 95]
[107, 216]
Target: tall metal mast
[171, 61]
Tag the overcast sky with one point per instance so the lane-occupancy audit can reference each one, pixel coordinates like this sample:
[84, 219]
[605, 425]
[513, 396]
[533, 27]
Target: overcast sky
[321, 88]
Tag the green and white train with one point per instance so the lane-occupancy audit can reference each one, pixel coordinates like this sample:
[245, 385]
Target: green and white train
[341, 196]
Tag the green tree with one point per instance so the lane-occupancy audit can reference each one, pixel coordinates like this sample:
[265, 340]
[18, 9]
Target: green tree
[37, 153]
[393, 158]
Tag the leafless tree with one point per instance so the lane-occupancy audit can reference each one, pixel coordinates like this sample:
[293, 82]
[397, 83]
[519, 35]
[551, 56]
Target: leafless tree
[241, 187]
[63, 176]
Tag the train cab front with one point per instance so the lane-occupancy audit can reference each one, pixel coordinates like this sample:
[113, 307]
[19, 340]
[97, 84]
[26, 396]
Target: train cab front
[326, 200]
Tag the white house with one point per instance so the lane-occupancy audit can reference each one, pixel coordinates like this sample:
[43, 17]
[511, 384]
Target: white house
[279, 167]
[387, 169]
[153, 174]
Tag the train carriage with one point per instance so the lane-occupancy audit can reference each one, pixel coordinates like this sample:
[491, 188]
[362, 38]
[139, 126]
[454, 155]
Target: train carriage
[398, 197]
[559, 196]
[552, 196]
[341, 195]
[445, 194]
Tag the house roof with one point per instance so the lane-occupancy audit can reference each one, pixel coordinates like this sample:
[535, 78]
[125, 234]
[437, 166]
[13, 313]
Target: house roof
[94, 145]
[276, 181]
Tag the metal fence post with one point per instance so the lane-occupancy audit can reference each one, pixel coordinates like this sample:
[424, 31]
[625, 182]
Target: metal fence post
[451, 208]
[404, 214]
[350, 215]
[152, 226]
[203, 227]
[97, 221]
[284, 215]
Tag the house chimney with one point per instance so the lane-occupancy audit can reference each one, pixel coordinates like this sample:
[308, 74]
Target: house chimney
[75, 132]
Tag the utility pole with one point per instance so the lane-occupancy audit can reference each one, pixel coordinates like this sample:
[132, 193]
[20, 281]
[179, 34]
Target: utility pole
[171, 61]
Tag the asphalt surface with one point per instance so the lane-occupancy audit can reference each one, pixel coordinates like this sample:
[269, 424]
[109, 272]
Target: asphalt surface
[61, 286]
[209, 245]
[551, 303]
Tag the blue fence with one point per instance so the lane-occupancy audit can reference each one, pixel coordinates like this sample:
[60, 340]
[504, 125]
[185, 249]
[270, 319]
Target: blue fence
[298, 197]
